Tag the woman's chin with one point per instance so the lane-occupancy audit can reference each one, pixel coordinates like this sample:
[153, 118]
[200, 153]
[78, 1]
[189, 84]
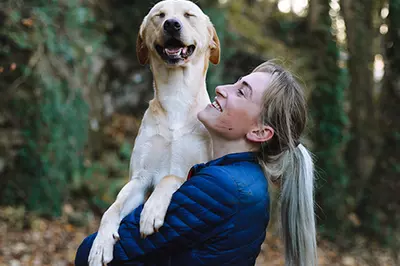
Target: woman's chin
[202, 116]
[206, 119]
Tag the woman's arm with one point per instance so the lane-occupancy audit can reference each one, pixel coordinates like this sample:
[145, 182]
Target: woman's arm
[197, 208]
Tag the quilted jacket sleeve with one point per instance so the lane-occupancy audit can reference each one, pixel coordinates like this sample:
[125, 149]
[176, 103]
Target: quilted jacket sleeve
[197, 208]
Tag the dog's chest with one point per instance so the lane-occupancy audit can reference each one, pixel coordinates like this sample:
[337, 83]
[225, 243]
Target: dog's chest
[174, 132]
[166, 149]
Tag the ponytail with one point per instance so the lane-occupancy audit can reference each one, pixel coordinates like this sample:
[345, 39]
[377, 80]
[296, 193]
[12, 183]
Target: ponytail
[288, 164]
[297, 209]
[293, 171]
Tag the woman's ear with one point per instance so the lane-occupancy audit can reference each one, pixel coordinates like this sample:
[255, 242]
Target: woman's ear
[260, 134]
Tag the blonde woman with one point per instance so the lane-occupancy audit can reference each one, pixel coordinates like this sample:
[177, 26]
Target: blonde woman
[219, 216]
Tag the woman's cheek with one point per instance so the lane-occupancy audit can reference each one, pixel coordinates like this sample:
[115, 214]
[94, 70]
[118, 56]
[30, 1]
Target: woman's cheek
[233, 124]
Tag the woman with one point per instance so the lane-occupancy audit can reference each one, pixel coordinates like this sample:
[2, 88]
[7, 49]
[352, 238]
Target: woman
[220, 214]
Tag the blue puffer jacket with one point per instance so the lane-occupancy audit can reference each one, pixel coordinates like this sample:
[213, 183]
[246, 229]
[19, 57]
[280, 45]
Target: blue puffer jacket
[218, 217]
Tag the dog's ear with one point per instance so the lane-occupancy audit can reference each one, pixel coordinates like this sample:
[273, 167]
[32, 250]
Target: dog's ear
[215, 47]
[142, 52]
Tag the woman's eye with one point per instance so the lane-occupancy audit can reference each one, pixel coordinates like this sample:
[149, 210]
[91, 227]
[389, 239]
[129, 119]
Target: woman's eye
[240, 92]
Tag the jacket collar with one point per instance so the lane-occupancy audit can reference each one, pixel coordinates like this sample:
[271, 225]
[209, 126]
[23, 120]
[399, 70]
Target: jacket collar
[227, 160]
[233, 158]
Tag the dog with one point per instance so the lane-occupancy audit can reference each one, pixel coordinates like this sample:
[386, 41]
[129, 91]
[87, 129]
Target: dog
[178, 41]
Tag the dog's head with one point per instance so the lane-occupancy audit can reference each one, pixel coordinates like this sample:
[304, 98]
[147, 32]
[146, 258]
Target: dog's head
[177, 32]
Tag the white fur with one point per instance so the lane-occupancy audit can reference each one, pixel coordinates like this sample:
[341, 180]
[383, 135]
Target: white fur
[170, 138]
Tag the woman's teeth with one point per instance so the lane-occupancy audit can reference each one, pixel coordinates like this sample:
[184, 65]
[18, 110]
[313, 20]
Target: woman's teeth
[217, 106]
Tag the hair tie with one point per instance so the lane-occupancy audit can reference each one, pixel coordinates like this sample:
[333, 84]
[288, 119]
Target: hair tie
[296, 143]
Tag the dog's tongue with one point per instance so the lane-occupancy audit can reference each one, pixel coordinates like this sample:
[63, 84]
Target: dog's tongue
[173, 51]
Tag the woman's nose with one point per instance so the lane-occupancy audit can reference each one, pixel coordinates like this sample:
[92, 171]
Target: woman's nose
[220, 90]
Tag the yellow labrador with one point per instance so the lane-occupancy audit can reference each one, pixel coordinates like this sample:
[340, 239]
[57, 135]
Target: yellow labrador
[178, 40]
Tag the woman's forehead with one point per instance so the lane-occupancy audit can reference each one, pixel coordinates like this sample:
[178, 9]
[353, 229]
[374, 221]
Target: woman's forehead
[258, 81]
[258, 78]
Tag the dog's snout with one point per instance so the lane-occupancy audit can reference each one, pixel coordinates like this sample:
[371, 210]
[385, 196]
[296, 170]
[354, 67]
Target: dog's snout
[172, 26]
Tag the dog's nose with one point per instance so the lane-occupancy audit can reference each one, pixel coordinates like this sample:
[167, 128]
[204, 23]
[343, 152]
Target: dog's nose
[172, 26]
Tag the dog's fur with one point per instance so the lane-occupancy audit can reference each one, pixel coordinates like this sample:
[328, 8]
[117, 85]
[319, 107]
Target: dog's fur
[170, 139]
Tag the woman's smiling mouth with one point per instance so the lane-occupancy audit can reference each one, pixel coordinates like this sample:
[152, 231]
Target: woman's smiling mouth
[216, 105]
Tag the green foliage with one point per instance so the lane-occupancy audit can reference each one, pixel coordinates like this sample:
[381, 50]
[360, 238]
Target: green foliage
[55, 45]
[58, 138]
[94, 185]
[62, 39]
[215, 73]
[330, 121]
[380, 207]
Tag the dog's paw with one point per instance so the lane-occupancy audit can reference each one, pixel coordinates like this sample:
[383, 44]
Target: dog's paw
[102, 249]
[153, 215]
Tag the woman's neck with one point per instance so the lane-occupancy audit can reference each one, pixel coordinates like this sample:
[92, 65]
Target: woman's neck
[223, 147]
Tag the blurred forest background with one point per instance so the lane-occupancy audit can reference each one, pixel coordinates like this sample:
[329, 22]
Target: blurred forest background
[73, 94]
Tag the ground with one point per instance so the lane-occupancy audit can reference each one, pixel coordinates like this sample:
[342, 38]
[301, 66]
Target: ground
[29, 240]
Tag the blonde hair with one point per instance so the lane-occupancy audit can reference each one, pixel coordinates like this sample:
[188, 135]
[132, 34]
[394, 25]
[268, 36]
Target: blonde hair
[288, 164]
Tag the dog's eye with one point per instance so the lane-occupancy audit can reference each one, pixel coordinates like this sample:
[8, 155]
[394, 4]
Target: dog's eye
[188, 15]
[161, 15]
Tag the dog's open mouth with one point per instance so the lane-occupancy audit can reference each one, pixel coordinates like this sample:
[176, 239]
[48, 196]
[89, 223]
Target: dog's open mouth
[175, 51]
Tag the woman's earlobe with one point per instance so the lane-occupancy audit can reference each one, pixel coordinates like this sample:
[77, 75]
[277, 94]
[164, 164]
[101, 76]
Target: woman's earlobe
[260, 134]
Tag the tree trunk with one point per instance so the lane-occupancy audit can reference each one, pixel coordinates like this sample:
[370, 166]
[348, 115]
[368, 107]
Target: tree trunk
[328, 115]
[385, 183]
[314, 12]
[358, 16]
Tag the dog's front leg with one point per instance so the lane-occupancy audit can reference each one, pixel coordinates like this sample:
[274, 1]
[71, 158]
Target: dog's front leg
[155, 208]
[131, 196]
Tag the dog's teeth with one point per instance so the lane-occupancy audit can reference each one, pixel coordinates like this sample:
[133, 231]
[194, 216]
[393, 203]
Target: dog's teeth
[184, 50]
[173, 51]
